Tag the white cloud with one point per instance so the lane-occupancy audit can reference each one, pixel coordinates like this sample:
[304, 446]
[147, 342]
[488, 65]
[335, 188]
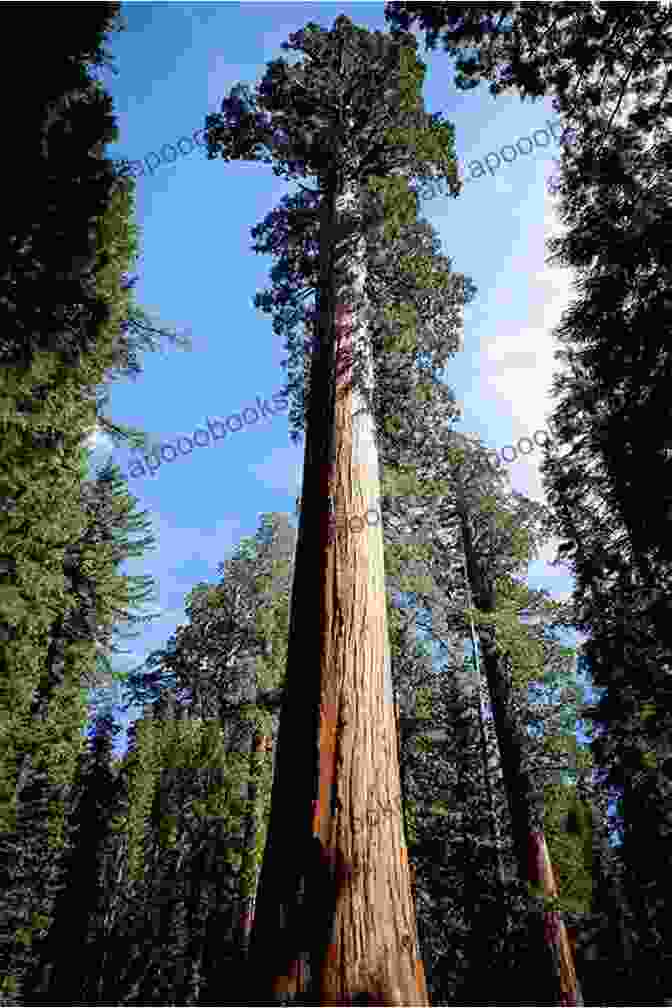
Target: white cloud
[282, 469]
[518, 364]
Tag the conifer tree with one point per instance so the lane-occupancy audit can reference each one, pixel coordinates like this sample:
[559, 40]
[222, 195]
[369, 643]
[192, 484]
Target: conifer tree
[65, 331]
[555, 976]
[60, 973]
[67, 243]
[221, 671]
[46, 740]
[317, 120]
[410, 402]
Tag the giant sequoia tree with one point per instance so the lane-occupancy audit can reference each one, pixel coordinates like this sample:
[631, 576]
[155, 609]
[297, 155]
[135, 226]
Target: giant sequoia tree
[334, 915]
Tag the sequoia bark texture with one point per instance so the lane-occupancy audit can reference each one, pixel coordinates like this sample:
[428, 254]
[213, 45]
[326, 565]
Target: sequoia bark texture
[335, 921]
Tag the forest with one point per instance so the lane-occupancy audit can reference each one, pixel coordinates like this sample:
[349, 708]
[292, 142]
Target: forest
[374, 766]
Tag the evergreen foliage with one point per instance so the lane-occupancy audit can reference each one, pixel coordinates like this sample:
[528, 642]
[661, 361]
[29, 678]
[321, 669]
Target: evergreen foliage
[69, 324]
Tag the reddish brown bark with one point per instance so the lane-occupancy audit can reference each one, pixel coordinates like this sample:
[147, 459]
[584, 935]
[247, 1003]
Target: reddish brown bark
[541, 874]
[335, 922]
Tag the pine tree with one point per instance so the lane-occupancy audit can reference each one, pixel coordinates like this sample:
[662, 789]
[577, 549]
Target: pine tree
[64, 334]
[192, 836]
[67, 957]
[45, 745]
[58, 321]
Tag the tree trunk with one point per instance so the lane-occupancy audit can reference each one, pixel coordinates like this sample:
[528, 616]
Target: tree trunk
[335, 922]
[247, 893]
[555, 979]
[488, 765]
[499, 925]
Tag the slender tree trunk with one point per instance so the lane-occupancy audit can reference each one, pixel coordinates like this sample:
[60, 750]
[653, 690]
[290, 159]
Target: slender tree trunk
[335, 922]
[253, 824]
[501, 915]
[555, 979]
[487, 765]
[490, 765]
[480, 931]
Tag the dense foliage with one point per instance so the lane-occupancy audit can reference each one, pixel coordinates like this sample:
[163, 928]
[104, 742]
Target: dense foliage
[69, 325]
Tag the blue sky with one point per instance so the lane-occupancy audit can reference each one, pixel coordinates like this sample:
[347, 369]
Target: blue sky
[197, 274]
